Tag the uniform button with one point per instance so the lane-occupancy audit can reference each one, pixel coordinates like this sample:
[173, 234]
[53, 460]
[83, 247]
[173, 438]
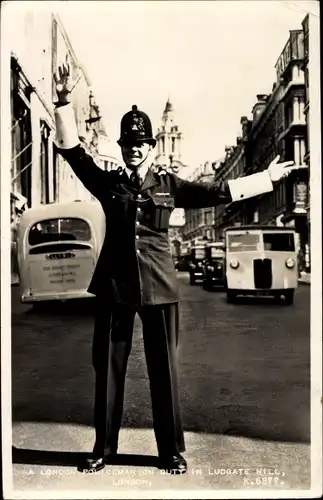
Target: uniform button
[138, 251]
[137, 223]
[137, 237]
[139, 196]
[138, 209]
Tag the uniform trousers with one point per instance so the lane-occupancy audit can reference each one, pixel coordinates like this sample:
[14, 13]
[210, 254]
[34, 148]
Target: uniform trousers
[111, 348]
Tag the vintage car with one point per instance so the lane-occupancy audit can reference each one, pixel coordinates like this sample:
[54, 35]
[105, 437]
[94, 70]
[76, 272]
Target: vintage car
[213, 266]
[58, 248]
[197, 256]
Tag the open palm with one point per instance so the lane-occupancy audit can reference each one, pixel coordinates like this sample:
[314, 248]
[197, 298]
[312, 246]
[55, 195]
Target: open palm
[64, 83]
[279, 170]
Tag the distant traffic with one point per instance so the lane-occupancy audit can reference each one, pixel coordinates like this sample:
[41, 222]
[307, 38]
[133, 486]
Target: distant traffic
[59, 244]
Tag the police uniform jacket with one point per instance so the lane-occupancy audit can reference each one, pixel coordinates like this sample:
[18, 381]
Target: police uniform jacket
[135, 265]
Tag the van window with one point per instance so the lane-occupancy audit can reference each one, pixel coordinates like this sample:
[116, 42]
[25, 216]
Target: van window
[63, 229]
[279, 242]
[243, 242]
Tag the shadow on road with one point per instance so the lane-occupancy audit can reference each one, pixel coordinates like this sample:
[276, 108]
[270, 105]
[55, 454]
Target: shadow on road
[269, 302]
[70, 307]
[73, 459]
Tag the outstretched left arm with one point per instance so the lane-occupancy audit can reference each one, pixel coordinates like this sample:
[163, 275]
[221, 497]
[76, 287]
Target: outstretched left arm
[199, 195]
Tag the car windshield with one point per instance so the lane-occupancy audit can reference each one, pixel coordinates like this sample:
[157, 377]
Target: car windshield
[279, 242]
[62, 229]
[243, 242]
[199, 253]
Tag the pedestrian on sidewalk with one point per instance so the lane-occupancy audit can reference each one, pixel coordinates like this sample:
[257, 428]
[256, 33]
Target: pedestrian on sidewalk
[135, 272]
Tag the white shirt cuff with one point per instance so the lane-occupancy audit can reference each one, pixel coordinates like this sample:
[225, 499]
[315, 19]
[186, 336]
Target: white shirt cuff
[249, 186]
[66, 130]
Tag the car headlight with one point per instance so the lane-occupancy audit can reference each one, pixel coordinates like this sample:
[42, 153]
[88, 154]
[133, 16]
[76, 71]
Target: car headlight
[290, 263]
[210, 268]
[234, 264]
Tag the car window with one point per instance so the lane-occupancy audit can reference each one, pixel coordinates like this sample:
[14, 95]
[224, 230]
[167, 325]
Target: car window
[59, 229]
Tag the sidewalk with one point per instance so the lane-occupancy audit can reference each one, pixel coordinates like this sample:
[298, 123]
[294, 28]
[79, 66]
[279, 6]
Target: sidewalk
[305, 278]
[215, 462]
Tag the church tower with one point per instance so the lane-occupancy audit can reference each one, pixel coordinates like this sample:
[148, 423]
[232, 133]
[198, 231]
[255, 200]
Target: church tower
[168, 148]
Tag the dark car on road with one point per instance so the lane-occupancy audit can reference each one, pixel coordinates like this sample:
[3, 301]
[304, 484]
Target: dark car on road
[213, 266]
[197, 256]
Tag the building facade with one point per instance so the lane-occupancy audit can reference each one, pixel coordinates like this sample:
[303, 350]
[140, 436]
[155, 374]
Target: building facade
[232, 166]
[279, 128]
[199, 223]
[38, 174]
[109, 155]
[87, 114]
[305, 67]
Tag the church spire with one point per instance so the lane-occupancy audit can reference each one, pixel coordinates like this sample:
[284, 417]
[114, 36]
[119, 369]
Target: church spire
[168, 138]
[169, 106]
[168, 111]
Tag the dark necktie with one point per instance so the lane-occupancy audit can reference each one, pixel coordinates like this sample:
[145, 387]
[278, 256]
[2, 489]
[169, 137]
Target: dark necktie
[136, 180]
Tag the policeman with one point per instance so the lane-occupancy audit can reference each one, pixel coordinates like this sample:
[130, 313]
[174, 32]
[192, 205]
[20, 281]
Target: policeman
[135, 272]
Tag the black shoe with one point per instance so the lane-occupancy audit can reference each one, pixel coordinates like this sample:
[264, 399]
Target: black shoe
[173, 464]
[95, 463]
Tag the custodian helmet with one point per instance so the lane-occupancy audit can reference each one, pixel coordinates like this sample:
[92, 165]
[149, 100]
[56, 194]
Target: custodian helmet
[136, 127]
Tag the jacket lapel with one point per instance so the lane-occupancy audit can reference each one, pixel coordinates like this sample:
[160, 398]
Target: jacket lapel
[151, 179]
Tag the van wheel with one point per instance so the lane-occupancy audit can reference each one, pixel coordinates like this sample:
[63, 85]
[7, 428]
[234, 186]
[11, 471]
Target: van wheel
[231, 297]
[288, 297]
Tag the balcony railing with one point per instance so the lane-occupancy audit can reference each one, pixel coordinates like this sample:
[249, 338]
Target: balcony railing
[293, 51]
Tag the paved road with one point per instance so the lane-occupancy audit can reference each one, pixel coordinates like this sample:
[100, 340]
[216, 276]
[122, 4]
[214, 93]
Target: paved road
[244, 372]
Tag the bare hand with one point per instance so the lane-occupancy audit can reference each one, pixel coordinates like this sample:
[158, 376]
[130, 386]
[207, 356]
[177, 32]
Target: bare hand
[279, 170]
[64, 82]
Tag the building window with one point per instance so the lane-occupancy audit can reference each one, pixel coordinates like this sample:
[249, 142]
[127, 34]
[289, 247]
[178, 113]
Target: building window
[163, 144]
[44, 163]
[55, 177]
[288, 115]
[21, 143]
[173, 144]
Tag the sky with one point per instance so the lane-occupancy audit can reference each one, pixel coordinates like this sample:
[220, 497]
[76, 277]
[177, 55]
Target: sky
[211, 58]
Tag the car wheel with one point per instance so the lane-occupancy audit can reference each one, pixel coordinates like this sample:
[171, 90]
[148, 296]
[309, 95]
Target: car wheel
[205, 285]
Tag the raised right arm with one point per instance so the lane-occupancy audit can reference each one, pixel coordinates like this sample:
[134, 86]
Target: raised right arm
[68, 145]
[67, 139]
